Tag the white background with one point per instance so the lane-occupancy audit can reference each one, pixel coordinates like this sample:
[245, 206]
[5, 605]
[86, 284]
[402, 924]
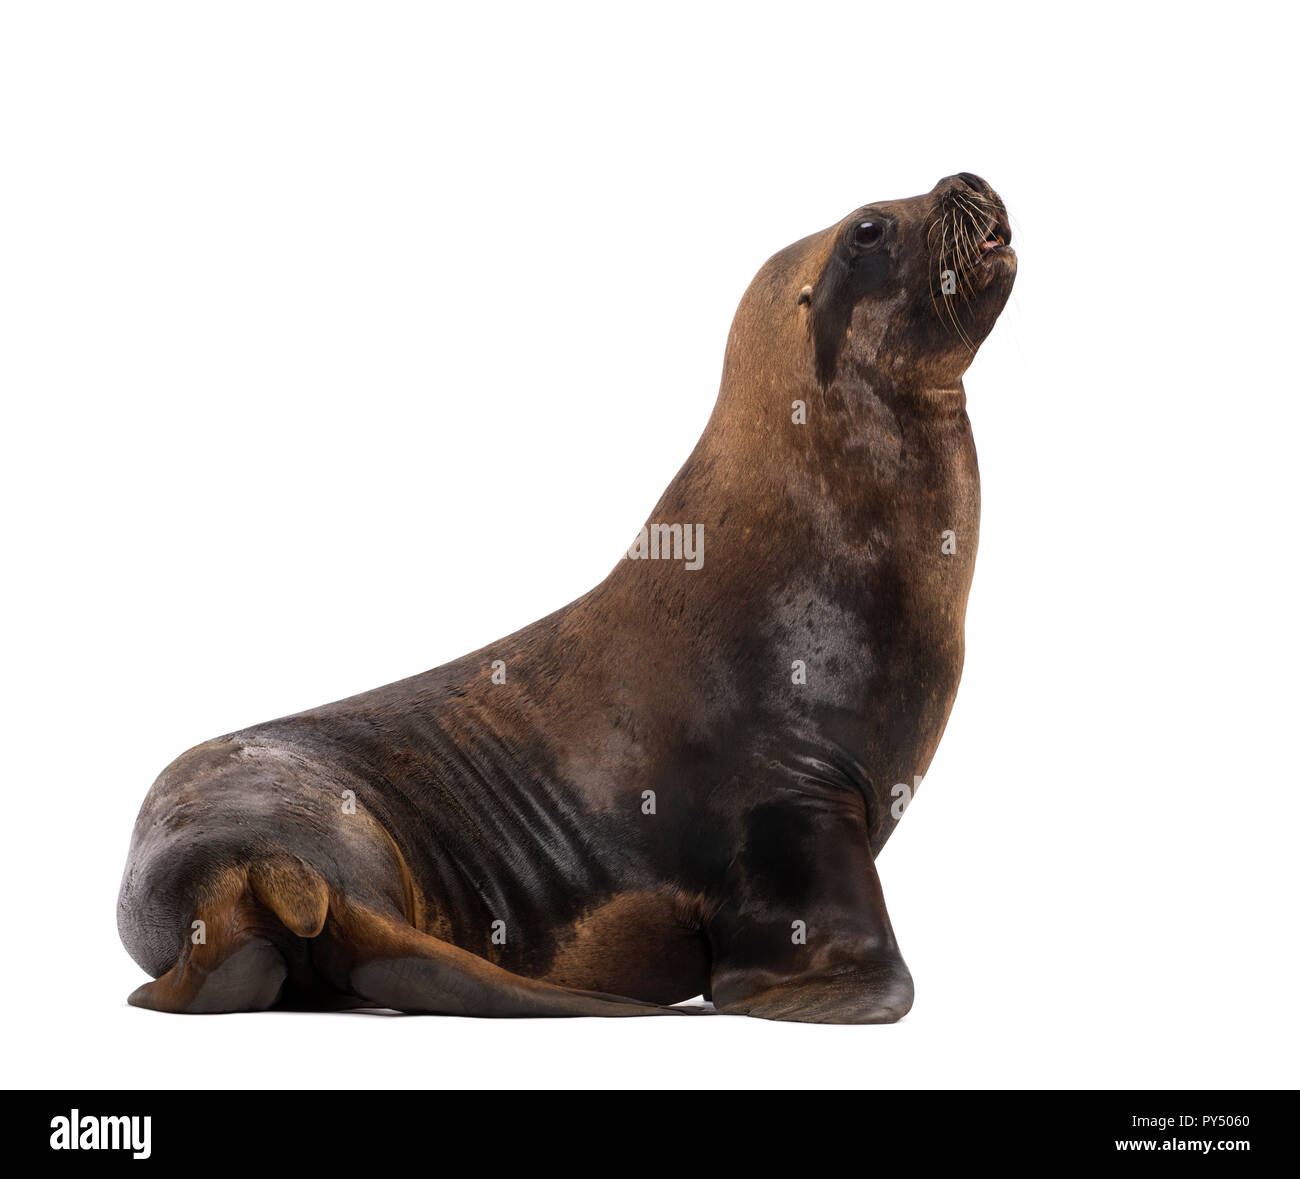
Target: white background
[338, 340]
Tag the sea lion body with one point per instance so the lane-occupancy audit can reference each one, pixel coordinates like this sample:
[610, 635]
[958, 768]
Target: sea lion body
[678, 783]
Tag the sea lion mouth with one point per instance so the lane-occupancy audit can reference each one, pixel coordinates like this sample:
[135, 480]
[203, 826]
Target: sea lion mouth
[997, 237]
[969, 228]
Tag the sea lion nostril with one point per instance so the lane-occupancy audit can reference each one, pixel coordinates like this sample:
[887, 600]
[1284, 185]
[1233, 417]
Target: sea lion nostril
[973, 181]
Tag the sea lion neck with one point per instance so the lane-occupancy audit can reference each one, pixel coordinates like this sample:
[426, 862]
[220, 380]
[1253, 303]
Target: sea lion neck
[924, 400]
[790, 473]
[768, 428]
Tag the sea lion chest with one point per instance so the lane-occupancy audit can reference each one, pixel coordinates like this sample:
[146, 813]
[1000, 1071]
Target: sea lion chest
[914, 532]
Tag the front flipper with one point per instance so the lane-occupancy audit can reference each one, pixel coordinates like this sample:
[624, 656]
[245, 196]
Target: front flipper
[802, 933]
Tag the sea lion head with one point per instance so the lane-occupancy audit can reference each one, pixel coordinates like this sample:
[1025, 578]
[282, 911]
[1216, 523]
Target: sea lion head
[901, 292]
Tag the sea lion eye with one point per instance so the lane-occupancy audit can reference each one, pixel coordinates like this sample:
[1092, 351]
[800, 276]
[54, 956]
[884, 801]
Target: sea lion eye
[868, 234]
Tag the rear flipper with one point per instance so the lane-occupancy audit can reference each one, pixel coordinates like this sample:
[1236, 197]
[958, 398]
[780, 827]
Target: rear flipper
[250, 921]
[400, 967]
[250, 978]
[275, 935]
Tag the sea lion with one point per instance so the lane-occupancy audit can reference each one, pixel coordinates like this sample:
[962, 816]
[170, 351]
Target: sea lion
[678, 783]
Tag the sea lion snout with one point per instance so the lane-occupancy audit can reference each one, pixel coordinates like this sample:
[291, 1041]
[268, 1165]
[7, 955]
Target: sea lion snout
[977, 196]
